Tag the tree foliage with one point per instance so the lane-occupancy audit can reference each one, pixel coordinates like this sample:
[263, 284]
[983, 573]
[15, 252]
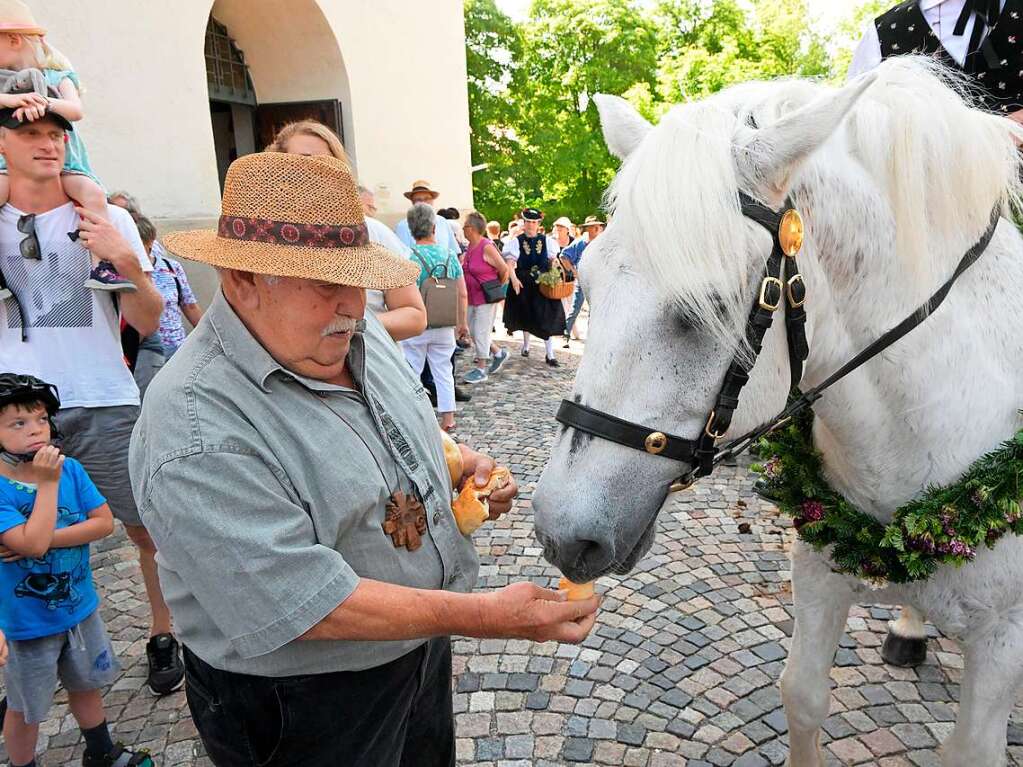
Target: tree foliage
[533, 123]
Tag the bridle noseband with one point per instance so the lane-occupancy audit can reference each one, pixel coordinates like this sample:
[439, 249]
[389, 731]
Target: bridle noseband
[782, 284]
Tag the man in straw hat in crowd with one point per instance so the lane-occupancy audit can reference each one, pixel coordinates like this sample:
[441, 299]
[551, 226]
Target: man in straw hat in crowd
[421, 192]
[290, 468]
[591, 228]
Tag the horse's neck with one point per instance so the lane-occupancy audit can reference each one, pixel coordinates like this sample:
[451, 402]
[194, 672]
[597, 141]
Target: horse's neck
[929, 406]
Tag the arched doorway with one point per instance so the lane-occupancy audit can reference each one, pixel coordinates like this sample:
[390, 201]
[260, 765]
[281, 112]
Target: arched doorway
[267, 64]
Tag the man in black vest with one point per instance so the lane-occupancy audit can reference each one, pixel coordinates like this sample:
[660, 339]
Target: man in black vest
[984, 39]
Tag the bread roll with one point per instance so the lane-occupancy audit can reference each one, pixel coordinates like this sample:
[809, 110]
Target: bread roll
[576, 591]
[454, 458]
[471, 507]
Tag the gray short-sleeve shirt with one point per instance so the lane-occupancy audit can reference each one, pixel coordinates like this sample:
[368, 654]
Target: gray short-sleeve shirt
[265, 494]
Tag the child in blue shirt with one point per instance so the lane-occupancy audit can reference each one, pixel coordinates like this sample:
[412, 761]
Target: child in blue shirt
[49, 513]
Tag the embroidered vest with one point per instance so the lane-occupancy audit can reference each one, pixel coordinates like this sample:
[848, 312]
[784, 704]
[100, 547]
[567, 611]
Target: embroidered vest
[995, 66]
[532, 252]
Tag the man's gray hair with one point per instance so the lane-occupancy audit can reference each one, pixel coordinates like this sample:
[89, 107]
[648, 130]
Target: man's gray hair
[133, 205]
[476, 220]
[422, 220]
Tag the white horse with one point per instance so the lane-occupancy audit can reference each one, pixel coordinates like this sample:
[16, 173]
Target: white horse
[896, 178]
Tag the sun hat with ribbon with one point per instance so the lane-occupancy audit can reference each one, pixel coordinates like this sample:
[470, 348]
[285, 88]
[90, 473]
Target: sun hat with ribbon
[16, 18]
[294, 216]
[421, 185]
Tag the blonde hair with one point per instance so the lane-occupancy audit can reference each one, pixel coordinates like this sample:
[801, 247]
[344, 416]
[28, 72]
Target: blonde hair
[310, 128]
[494, 228]
[46, 56]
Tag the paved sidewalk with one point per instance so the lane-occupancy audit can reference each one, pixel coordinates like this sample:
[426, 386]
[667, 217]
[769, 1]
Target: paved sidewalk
[681, 669]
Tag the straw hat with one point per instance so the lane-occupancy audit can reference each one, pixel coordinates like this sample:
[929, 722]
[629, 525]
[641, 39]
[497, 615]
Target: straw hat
[421, 185]
[294, 216]
[591, 221]
[18, 19]
[564, 221]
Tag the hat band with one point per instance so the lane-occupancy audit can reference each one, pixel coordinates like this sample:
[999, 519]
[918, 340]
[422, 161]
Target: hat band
[285, 233]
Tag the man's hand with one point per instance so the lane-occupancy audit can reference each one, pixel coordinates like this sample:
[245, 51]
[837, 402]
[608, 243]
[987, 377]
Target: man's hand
[480, 467]
[102, 239]
[516, 284]
[3, 649]
[526, 611]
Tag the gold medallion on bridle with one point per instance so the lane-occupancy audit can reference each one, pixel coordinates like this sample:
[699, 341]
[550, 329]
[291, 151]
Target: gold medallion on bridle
[790, 232]
[656, 443]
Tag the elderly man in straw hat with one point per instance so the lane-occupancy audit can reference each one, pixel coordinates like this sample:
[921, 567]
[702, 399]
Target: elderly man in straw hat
[421, 192]
[290, 468]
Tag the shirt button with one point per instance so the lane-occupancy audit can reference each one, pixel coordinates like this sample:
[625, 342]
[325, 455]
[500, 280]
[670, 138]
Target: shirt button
[436, 517]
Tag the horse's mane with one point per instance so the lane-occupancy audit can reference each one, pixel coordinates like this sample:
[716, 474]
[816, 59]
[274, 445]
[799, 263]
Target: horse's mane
[940, 164]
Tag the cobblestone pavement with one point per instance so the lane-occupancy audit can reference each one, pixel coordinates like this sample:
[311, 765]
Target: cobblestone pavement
[681, 669]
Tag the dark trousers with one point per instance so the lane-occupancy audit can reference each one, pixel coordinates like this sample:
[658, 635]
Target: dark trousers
[395, 715]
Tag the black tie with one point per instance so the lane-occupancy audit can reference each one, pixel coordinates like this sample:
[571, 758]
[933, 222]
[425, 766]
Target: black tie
[987, 12]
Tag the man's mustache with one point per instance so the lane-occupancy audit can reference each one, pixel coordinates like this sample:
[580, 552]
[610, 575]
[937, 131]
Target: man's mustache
[344, 325]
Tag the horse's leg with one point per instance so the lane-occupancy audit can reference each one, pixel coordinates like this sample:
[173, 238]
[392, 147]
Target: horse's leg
[991, 678]
[821, 601]
[906, 643]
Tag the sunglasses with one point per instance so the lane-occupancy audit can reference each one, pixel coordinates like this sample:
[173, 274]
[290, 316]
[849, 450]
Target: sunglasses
[29, 246]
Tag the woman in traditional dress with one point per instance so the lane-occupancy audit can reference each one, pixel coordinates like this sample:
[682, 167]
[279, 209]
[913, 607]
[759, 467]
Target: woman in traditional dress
[526, 308]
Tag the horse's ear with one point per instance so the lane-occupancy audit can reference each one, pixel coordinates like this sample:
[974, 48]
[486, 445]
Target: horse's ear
[623, 126]
[767, 158]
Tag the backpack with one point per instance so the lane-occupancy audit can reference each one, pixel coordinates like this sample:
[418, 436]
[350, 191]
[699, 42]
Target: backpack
[440, 294]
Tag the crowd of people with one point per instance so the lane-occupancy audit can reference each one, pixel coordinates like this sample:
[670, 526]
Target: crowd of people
[98, 422]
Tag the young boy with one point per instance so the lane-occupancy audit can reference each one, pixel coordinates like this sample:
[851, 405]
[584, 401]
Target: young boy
[49, 512]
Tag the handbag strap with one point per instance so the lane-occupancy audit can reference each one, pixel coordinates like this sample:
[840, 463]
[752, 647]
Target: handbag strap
[427, 268]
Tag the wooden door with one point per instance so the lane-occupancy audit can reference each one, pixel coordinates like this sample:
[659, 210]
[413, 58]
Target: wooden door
[270, 118]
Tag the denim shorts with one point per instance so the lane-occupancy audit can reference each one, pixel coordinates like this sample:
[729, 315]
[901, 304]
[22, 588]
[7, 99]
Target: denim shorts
[82, 658]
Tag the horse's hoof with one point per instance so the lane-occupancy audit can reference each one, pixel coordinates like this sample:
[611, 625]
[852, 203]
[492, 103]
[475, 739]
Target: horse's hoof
[903, 651]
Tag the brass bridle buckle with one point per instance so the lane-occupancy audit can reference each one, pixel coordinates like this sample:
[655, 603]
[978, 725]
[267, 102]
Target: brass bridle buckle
[796, 279]
[778, 286]
[708, 431]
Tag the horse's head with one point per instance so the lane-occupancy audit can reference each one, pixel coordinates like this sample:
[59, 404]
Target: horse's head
[670, 285]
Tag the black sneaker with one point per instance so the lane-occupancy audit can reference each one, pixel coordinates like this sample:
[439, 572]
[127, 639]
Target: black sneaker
[166, 672]
[551, 362]
[462, 394]
[120, 757]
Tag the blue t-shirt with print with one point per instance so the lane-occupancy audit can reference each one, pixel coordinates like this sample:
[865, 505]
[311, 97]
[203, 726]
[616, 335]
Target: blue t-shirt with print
[41, 597]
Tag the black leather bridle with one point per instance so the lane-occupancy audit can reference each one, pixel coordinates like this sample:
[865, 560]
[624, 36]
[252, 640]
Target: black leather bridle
[782, 284]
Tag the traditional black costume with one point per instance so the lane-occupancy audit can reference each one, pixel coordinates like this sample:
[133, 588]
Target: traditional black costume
[529, 309]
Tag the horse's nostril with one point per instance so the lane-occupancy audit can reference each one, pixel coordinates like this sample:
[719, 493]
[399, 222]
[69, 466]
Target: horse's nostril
[581, 558]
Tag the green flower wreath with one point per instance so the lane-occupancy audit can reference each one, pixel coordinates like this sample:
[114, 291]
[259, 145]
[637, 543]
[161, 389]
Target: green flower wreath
[946, 525]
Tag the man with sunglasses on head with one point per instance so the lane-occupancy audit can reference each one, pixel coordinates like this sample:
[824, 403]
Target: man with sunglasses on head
[54, 328]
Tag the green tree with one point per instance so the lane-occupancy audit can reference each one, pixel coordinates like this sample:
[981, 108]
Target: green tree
[532, 119]
[493, 52]
[707, 48]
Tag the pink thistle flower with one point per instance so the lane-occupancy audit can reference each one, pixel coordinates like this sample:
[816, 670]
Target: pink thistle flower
[813, 511]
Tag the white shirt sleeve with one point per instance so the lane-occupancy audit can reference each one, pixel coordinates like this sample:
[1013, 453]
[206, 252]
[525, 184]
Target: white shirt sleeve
[867, 54]
[402, 232]
[510, 251]
[123, 223]
[381, 235]
[553, 249]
